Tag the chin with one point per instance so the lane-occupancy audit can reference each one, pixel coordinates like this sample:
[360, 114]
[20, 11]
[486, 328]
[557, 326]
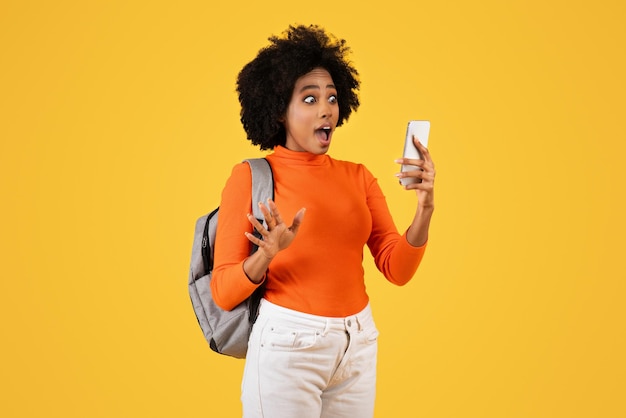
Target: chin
[322, 149]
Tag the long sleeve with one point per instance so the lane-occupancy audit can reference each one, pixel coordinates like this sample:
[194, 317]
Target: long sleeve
[394, 256]
[229, 284]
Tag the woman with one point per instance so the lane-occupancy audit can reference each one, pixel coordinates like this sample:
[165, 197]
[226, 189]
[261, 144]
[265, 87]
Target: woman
[312, 351]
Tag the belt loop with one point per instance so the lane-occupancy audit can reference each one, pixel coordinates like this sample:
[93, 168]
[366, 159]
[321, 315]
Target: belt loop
[326, 328]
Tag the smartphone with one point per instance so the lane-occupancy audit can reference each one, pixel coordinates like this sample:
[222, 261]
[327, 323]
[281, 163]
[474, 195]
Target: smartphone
[420, 129]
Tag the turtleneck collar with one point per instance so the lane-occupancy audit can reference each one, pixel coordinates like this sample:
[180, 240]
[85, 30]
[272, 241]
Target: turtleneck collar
[299, 157]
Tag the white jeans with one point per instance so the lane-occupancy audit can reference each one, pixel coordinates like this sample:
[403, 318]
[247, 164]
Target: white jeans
[300, 365]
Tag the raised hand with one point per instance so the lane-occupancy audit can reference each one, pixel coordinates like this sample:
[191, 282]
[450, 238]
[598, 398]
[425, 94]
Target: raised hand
[424, 188]
[277, 236]
[417, 233]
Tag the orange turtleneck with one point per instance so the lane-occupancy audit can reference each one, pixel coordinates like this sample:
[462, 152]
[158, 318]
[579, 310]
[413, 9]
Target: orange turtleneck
[321, 272]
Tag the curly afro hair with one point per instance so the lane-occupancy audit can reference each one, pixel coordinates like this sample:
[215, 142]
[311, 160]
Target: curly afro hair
[265, 85]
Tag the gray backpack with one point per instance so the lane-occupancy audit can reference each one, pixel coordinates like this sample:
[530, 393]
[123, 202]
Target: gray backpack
[227, 332]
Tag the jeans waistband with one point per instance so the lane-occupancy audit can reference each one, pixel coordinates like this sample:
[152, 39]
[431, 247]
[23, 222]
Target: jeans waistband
[355, 322]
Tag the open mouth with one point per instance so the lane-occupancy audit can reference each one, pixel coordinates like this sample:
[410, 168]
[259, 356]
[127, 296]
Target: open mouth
[323, 134]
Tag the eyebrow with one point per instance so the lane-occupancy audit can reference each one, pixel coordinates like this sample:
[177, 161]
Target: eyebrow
[316, 87]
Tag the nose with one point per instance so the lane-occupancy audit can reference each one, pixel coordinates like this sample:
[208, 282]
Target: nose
[325, 110]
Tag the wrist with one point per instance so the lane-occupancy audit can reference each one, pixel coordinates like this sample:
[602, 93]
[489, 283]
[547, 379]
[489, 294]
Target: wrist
[255, 266]
[425, 208]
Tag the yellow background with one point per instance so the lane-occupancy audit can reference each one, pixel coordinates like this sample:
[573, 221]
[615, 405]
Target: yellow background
[119, 125]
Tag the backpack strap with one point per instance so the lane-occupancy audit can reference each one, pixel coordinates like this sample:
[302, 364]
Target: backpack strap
[262, 185]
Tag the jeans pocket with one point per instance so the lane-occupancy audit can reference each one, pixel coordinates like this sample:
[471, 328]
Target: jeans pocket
[286, 338]
[371, 336]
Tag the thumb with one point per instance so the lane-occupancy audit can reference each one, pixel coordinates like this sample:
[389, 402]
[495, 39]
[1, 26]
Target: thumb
[297, 221]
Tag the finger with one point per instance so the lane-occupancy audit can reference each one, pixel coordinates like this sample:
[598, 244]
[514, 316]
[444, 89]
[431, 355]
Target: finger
[427, 176]
[423, 150]
[267, 215]
[265, 210]
[275, 213]
[426, 182]
[255, 240]
[257, 225]
[418, 143]
[422, 176]
[410, 161]
[412, 173]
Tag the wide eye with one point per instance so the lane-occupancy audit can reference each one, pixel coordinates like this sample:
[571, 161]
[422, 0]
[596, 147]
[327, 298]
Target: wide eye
[332, 99]
[309, 99]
